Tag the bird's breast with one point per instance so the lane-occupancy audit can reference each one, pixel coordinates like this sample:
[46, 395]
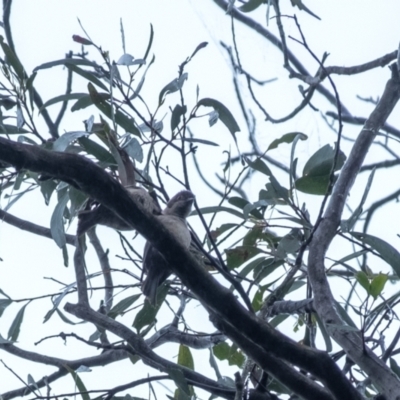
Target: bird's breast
[178, 227]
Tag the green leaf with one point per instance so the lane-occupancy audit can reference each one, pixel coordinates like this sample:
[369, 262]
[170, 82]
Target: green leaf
[260, 166]
[7, 102]
[224, 114]
[345, 317]
[87, 75]
[63, 141]
[386, 251]
[78, 199]
[4, 303]
[64, 318]
[363, 280]
[13, 60]
[64, 61]
[121, 119]
[122, 305]
[4, 341]
[185, 357]
[257, 301]
[221, 351]
[134, 149]
[246, 206]
[172, 87]
[65, 255]
[148, 313]
[325, 334]
[321, 162]
[377, 285]
[302, 7]
[86, 101]
[63, 97]
[141, 82]
[47, 188]
[317, 185]
[15, 327]
[176, 116]
[236, 358]
[290, 243]
[29, 87]
[230, 353]
[221, 229]
[78, 382]
[266, 267]
[57, 221]
[253, 235]
[179, 379]
[97, 151]
[239, 255]
[251, 5]
[214, 364]
[287, 138]
[394, 367]
[6, 128]
[278, 320]
[343, 260]
[346, 225]
[150, 42]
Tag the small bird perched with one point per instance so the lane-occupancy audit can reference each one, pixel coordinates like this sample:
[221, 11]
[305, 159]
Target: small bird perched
[101, 215]
[174, 219]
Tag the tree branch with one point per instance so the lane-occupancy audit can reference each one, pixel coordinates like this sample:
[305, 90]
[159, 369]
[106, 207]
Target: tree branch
[95, 182]
[350, 341]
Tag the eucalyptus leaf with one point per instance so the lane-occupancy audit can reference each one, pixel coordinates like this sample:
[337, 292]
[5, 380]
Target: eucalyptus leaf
[321, 162]
[177, 113]
[63, 141]
[172, 87]
[386, 250]
[64, 61]
[88, 75]
[13, 60]
[120, 118]
[79, 383]
[134, 149]
[57, 221]
[15, 328]
[251, 5]
[185, 357]
[223, 113]
[4, 303]
[86, 101]
[287, 138]
[61, 98]
[147, 314]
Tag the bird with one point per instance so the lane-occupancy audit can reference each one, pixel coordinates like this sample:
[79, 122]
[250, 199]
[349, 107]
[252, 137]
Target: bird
[155, 265]
[101, 215]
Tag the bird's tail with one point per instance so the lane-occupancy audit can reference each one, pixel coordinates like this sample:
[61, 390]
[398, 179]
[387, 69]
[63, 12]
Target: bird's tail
[86, 220]
[149, 289]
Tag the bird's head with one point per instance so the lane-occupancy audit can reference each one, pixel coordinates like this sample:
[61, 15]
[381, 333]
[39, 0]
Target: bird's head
[181, 204]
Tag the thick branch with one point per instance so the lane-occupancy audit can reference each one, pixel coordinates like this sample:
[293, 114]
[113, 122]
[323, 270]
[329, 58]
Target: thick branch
[95, 182]
[31, 227]
[140, 348]
[351, 342]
